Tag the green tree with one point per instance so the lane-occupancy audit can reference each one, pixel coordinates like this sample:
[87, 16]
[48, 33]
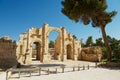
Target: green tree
[99, 42]
[74, 37]
[115, 47]
[51, 44]
[89, 41]
[89, 11]
[104, 52]
[82, 43]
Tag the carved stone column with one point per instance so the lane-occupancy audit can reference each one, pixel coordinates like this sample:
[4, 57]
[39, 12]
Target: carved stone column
[46, 56]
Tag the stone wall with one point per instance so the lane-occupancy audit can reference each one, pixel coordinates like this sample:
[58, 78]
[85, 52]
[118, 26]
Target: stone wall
[91, 53]
[7, 52]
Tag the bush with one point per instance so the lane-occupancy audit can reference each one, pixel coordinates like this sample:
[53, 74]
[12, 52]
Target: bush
[104, 53]
[104, 60]
[115, 60]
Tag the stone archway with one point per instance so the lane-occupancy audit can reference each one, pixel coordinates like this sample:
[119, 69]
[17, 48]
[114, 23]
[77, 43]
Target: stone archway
[36, 51]
[58, 43]
[69, 51]
[39, 37]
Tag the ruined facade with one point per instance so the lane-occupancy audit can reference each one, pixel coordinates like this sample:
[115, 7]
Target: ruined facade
[7, 52]
[33, 45]
[66, 47]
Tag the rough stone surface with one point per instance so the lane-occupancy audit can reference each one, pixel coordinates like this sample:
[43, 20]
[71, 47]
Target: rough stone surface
[34, 44]
[7, 52]
[91, 53]
[66, 47]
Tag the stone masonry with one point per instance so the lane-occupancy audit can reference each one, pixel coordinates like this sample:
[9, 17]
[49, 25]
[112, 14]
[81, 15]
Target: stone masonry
[7, 52]
[66, 47]
[34, 44]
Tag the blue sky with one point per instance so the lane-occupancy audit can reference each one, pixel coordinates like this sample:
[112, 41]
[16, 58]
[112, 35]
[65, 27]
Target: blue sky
[17, 16]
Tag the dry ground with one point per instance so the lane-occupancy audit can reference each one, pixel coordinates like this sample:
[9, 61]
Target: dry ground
[91, 74]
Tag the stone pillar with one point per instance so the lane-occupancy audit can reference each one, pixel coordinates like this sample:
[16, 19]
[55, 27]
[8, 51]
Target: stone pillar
[27, 58]
[46, 56]
[74, 50]
[64, 56]
[26, 48]
[75, 57]
[60, 54]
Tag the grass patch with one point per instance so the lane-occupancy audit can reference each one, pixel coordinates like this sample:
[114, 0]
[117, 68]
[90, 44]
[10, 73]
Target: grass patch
[113, 60]
[104, 60]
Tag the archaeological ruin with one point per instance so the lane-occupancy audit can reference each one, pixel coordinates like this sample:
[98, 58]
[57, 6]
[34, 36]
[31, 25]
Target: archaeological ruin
[66, 47]
[7, 52]
[34, 45]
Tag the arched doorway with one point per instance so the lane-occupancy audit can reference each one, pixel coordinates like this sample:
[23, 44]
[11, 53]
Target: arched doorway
[69, 52]
[36, 51]
[52, 36]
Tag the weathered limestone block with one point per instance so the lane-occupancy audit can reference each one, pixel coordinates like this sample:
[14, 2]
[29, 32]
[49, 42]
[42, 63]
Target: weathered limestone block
[91, 54]
[75, 57]
[46, 58]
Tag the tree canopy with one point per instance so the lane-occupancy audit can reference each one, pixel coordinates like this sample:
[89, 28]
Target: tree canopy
[115, 47]
[90, 11]
[87, 11]
[51, 44]
[99, 42]
[74, 36]
[89, 41]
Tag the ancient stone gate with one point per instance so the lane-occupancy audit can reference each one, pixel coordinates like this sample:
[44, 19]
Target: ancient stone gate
[66, 47]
